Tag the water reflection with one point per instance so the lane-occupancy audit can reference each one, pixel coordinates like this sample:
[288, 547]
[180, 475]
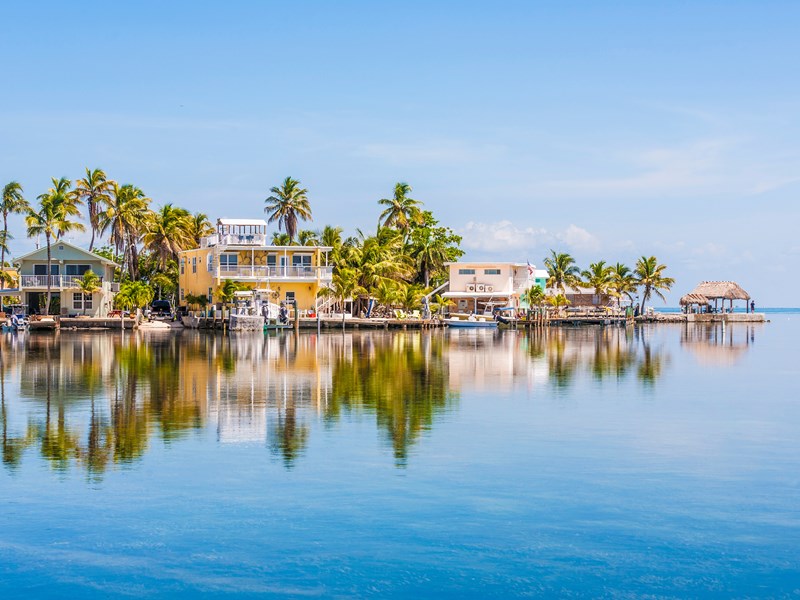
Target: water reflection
[718, 344]
[102, 399]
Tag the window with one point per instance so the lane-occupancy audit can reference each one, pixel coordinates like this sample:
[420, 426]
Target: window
[182, 294]
[228, 262]
[466, 271]
[289, 296]
[210, 295]
[491, 271]
[183, 264]
[210, 262]
[272, 260]
[194, 264]
[81, 301]
[301, 260]
[76, 269]
[42, 269]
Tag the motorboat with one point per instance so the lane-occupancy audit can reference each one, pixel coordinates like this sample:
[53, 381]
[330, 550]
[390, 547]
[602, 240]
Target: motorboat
[472, 322]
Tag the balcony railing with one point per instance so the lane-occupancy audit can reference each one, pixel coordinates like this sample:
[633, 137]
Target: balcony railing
[56, 281]
[260, 272]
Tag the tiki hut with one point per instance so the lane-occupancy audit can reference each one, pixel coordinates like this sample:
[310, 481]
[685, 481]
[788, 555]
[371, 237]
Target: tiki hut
[717, 292]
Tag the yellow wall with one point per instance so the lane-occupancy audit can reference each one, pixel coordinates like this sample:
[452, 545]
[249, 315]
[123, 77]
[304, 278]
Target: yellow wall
[195, 277]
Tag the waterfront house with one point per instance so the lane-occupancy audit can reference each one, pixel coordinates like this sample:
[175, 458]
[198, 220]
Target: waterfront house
[581, 296]
[239, 251]
[68, 264]
[480, 286]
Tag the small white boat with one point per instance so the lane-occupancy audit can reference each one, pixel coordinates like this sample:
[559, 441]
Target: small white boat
[16, 323]
[472, 323]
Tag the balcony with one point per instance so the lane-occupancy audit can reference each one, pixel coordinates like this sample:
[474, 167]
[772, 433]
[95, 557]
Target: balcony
[64, 282]
[234, 239]
[255, 272]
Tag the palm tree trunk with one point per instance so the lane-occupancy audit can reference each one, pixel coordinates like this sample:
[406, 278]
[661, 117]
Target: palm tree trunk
[3, 256]
[49, 268]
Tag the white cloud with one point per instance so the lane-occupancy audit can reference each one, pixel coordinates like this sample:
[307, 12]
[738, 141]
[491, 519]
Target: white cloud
[502, 236]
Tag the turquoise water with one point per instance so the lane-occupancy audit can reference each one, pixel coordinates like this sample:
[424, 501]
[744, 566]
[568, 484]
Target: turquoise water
[661, 461]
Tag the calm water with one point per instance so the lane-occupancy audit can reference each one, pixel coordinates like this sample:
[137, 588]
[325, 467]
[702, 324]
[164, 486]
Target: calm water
[658, 462]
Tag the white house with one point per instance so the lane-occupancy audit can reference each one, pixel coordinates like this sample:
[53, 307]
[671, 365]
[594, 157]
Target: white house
[480, 286]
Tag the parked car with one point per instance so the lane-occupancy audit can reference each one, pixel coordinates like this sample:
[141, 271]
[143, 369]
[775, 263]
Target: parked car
[161, 309]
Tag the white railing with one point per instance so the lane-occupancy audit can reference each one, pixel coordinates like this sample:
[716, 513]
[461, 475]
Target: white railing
[232, 239]
[56, 281]
[261, 272]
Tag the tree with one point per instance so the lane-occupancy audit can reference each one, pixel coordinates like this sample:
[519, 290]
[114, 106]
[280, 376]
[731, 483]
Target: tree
[288, 204]
[306, 237]
[95, 190]
[88, 285]
[401, 211]
[598, 276]
[281, 239]
[650, 277]
[344, 285]
[430, 247]
[12, 203]
[52, 220]
[166, 232]
[535, 296]
[133, 294]
[227, 291]
[558, 301]
[562, 271]
[623, 283]
[124, 218]
[200, 227]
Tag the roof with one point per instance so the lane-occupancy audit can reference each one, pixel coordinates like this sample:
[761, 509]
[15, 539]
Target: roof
[728, 290]
[102, 259]
[261, 222]
[693, 299]
[495, 263]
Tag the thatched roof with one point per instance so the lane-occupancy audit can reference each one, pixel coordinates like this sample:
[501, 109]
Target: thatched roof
[694, 299]
[728, 290]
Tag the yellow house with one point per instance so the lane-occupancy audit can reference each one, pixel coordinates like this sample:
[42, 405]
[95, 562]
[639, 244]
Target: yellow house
[239, 251]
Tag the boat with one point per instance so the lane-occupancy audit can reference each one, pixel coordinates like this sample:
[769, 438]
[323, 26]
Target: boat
[471, 323]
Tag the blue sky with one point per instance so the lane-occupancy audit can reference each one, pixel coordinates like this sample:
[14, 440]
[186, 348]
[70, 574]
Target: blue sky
[605, 129]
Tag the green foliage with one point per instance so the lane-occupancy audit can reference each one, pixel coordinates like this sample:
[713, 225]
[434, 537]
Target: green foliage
[133, 294]
[650, 277]
[287, 204]
[562, 271]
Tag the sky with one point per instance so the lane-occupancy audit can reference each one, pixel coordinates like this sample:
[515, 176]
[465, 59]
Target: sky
[609, 130]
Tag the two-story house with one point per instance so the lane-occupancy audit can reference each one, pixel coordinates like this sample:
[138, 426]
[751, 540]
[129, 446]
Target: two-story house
[239, 251]
[67, 266]
[480, 286]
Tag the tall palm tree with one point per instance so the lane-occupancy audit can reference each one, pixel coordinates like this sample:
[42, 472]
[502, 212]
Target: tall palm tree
[430, 256]
[401, 211]
[288, 204]
[124, 218]
[623, 282]
[562, 271]
[11, 203]
[650, 277]
[95, 190]
[52, 220]
[598, 277]
[344, 285]
[88, 285]
[168, 231]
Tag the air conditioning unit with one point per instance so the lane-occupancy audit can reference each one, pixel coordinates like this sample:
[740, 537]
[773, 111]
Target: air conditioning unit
[480, 288]
[489, 288]
[470, 287]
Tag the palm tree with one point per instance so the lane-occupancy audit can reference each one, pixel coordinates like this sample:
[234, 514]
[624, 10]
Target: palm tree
[623, 283]
[430, 256]
[12, 203]
[331, 236]
[56, 206]
[344, 285]
[200, 227]
[650, 276]
[227, 291]
[401, 211]
[288, 204]
[281, 239]
[134, 294]
[124, 218]
[562, 271]
[306, 237]
[88, 285]
[95, 190]
[168, 231]
[598, 276]
[535, 296]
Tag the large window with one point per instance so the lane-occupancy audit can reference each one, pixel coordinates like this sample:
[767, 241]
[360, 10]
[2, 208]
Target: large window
[42, 269]
[491, 271]
[228, 262]
[272, 260]
[466, 271]
[76, 269]
[81, 301]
